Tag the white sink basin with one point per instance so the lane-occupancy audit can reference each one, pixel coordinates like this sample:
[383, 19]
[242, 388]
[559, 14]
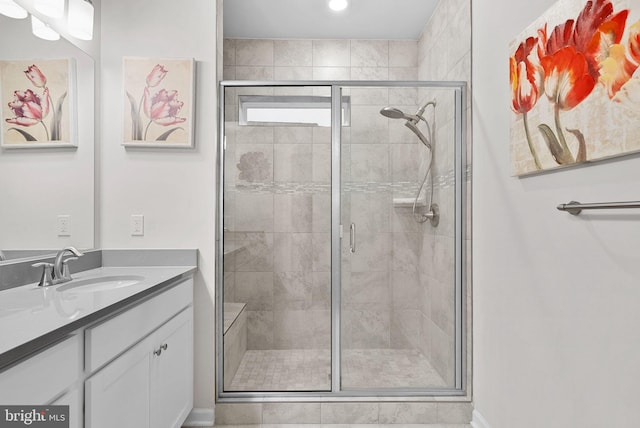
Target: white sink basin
[100, 283]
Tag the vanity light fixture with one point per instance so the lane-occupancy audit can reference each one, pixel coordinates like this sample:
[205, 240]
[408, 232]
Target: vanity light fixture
[12, 9]
[338, 5]
[80, 19]
[50, 8]
[42, 30]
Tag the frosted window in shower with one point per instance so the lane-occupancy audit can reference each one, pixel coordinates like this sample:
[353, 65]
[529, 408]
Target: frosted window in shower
[289, 110]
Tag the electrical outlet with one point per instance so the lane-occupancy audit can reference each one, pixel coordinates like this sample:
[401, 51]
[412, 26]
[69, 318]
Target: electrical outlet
[137, 225]
[64, 225]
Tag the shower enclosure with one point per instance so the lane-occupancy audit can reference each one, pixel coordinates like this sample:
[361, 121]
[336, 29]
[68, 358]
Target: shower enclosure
[341, 264]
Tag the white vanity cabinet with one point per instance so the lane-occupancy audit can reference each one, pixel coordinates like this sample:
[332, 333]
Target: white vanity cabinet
[51, 376]
[129, 363]
[150, 384]
[73, 399]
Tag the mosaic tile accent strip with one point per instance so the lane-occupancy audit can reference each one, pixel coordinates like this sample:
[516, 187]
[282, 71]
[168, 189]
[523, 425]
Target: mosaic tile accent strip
[282, 187]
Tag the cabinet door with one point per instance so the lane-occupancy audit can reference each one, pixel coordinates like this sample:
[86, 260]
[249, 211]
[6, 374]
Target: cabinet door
[118, 395]
[73, 399]
[172, 372]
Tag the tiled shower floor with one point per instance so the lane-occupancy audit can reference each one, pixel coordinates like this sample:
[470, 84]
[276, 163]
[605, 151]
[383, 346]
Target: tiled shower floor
[309, 370]
[283, 370]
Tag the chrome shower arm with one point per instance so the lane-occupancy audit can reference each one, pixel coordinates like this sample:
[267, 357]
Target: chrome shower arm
[421, 110]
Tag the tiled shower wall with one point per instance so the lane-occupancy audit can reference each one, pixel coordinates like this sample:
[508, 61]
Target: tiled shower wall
[246, 59]
[287, 288]
[277, 209]
[444, 51]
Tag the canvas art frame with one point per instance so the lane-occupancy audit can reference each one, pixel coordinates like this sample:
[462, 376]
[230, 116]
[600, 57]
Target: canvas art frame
[39, 101]
[159, 102]
[575, 86]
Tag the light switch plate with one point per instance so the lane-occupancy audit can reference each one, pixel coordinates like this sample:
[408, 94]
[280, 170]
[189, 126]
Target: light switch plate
[137, 225]
[63, 225]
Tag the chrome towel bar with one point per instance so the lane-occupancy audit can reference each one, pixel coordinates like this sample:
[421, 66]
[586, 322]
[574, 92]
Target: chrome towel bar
[575, 208]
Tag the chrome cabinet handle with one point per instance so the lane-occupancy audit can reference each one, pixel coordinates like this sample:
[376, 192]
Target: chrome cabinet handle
[158, 351]
[352, 238]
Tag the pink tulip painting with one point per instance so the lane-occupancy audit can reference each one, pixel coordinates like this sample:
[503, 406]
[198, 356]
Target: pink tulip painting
[35, 103]
[158, 102]
[155, 77]
[34, 74]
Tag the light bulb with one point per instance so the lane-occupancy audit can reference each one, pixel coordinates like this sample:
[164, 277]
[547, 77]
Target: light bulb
[50, 8]
[338, 5]
[80, 19]
[42, 30]
[12, 10]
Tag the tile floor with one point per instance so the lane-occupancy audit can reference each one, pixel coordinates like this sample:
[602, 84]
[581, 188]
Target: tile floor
[309, 370]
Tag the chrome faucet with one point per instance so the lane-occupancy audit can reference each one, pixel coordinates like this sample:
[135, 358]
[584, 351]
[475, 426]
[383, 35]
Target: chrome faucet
[61, 268]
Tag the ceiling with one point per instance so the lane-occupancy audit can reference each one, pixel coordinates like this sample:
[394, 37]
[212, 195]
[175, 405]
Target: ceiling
[312, 19]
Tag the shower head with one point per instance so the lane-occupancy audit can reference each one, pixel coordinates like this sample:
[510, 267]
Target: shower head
[411, 120]
[412, 126]
[394, 113]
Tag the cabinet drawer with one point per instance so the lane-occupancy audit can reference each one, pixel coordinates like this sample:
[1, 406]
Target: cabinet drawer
[44, 376]
[110, 338]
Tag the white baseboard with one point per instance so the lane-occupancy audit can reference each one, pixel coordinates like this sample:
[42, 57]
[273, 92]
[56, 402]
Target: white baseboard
[200, 418]
[478, 421]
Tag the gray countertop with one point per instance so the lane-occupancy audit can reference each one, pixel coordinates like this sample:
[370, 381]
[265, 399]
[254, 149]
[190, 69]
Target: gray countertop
[33, 317]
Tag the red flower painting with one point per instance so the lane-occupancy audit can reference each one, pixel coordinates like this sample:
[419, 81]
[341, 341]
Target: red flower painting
[570, 62]
[526, 85]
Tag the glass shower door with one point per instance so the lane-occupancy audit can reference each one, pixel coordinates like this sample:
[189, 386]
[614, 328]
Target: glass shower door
[398, 287]
[277, 239]
[341, 264]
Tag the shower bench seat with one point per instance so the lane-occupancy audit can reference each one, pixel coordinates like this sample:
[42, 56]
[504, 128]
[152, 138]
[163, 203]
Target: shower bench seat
[235, 338]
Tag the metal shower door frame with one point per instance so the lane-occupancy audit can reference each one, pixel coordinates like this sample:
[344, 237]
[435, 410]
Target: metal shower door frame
[336, 393]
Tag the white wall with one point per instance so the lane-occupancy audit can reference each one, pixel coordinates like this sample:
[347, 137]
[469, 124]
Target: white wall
[173, 189]
[556, 297]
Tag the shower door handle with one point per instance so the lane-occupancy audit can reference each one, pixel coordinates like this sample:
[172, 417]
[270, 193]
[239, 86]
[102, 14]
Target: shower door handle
[352, 238]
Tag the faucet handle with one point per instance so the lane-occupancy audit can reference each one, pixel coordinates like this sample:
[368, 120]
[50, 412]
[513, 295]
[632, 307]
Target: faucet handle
[66, 275]
[46, 279]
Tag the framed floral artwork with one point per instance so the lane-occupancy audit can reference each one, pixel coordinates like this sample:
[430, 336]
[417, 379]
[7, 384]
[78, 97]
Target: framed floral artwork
[575, 85]
[38, 103]
[159, 102]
